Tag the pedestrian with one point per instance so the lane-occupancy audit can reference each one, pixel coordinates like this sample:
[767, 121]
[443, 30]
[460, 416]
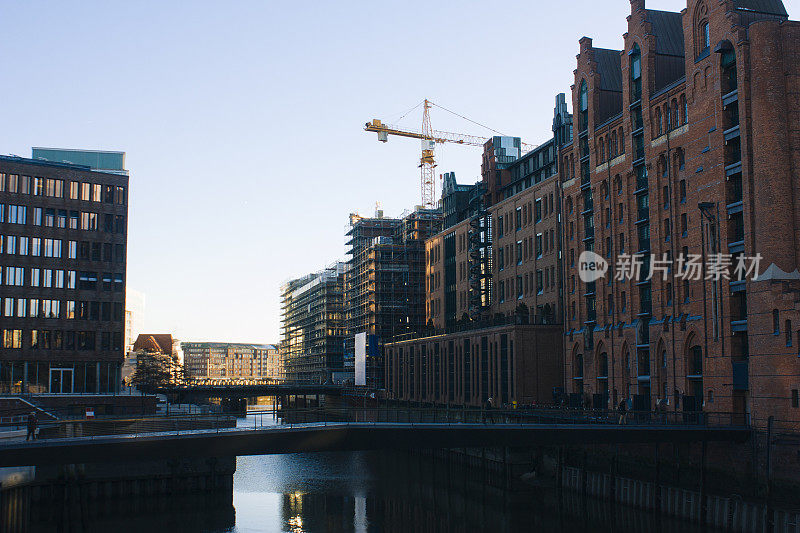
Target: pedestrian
[489, 407]
[622, 409]
[33, 423]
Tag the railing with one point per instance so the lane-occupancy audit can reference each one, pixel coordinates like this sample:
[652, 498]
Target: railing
[255, 420]
[539, 415]
[132, 426]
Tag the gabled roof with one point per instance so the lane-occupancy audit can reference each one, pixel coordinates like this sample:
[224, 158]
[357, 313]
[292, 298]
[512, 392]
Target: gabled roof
[772, 7]
[608, 66]
[668, 29]
[154, 343]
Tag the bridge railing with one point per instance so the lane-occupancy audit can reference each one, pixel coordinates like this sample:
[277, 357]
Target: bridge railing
[508, 416]
[82, 427]
[260, 419]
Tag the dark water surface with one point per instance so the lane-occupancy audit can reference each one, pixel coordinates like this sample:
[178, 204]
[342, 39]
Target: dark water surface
[360, 492]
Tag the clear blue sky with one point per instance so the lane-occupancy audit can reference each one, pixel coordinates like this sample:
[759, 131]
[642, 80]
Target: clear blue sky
[242, 122]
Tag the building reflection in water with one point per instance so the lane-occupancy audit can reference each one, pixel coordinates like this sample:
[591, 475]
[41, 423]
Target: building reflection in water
[358, 492]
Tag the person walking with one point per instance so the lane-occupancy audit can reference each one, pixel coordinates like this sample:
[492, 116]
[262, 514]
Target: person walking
[33, 423]
[489, 407]
[622, 408]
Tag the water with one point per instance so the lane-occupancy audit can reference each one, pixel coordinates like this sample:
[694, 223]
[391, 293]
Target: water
[357, 492]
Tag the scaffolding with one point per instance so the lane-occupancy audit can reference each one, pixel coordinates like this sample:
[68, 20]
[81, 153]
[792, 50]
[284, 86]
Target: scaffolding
[312, 324]
[385, 280]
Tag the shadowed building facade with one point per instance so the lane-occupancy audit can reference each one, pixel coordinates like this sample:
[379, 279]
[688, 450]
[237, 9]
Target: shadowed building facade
[63, 239]
[685, 144]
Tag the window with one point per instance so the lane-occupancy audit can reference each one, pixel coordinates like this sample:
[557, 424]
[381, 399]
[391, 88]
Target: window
[788, 332]
[538, 209]
[682, 189]
[684, 225]
[584, 106]
[659, 122]
[15, 276]
[705, 36]
[636, 73]
[776, 323]
[12, 338]
[17, 214]
[74, 187]
[795, 398]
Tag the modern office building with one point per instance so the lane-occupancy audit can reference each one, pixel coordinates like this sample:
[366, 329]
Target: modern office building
[685, 152]
[385, 282]
[312, 324]
[227, 360]
[63, 240]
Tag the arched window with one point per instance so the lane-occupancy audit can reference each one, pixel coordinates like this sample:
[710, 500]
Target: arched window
[776, 322]
[728, 66]
[705, 36]
[621, 141]
[636, 73]
[569, 205]
[667, 124]
[602, 150]
[618, 182]
[694, 379]
[659, 122]
[675, 118]
[602, 374]
[612, 149]
[788, 332]
[584, 106]
[685, 109]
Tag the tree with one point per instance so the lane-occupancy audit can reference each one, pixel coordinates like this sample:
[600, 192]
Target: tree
[153, 370]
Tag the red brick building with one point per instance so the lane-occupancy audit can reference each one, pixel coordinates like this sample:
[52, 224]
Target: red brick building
[686, 143]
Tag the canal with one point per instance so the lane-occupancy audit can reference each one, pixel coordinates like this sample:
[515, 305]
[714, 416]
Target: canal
[355, 492]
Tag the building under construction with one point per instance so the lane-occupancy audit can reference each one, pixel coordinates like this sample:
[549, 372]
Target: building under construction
[313, 327]
[384, 288]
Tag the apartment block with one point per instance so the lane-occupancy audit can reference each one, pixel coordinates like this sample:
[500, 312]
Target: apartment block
[493, 281]
[312, 323]
[63, 244]
[685, 155]
[227, 360]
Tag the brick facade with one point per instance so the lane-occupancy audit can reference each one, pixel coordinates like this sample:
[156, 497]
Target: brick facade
[709, 116]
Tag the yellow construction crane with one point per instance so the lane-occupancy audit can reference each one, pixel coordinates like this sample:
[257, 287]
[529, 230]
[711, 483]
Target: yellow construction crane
[429, 138]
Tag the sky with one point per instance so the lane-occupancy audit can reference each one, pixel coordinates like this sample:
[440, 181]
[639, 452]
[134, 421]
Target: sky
[243, 122]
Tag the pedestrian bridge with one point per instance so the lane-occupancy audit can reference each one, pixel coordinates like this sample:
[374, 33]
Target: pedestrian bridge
[343, 436]
[235, 389]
